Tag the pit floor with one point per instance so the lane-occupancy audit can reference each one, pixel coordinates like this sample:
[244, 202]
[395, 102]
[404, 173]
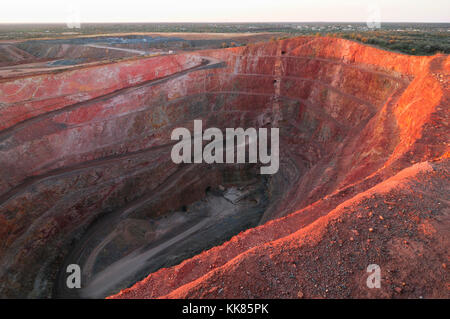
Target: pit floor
[117, 252]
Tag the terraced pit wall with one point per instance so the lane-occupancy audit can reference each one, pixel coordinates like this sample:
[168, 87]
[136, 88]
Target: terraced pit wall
[78, 144]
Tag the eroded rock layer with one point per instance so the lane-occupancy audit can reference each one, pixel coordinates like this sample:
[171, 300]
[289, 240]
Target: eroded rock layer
[363, 175]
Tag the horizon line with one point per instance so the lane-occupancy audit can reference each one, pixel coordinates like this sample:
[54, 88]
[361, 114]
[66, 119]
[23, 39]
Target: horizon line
[219, 22]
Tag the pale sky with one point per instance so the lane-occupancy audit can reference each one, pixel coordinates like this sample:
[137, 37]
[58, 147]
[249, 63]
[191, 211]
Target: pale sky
[49, 11]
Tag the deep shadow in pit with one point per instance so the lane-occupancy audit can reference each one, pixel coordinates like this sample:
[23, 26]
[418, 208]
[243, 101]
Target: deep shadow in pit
[123, 247]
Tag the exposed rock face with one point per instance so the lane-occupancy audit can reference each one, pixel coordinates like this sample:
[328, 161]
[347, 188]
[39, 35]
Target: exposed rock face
[354, 121]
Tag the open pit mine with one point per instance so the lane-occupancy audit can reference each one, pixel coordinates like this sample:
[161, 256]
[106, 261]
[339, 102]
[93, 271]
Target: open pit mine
[86, 175]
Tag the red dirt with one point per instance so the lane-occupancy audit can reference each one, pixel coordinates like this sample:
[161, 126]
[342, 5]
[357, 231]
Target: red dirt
[386, 225]
[401, 223]
[363, 176]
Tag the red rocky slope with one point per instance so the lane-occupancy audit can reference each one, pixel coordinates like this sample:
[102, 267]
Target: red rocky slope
[383, 208]
[363, 134]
